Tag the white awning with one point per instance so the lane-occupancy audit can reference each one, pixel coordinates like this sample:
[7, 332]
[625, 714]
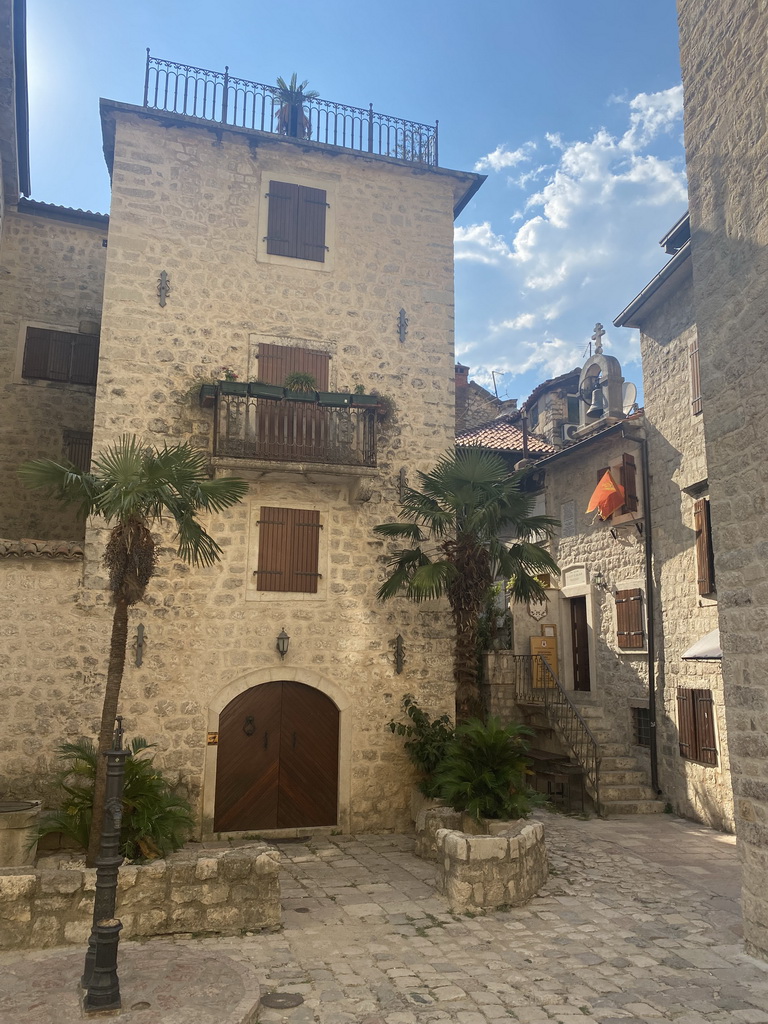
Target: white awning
[706, 648]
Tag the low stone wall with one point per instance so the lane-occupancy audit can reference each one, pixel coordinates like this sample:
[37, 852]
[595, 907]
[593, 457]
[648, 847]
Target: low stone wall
[216, 892]
[485, 872]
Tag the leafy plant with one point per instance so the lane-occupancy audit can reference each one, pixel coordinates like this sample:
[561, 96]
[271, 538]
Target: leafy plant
[297, 381]
[155, 820]
[484, 768]
[291, 116]
[426, 740]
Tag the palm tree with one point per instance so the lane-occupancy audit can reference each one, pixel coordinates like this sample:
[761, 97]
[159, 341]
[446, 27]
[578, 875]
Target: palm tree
[466, 503]
[132, 488]
[291, 117]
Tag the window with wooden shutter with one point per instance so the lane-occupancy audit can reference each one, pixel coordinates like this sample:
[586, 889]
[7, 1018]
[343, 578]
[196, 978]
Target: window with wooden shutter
[62, 356]
[78, 445]
[705, 559]
[628, 480]
[289, 544]
[296, 221]
[277, 361]
[696, 399]
[696, 725]
[630, 632]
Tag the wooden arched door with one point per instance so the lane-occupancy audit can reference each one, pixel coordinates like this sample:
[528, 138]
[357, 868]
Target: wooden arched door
[278, 759]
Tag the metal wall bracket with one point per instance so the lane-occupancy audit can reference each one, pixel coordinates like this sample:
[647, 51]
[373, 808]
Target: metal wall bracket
[163, 287]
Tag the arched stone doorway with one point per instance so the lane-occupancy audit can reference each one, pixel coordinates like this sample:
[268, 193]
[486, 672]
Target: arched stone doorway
[277, 759]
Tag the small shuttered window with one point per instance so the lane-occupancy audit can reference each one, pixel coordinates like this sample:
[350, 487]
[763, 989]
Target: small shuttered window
[78, 445]
[289, 545]
[630, 632]
[277, 361]
[696, 725]
[705, 560]
[296, 221]
[628, 480]
[696, 400]
[62, 356]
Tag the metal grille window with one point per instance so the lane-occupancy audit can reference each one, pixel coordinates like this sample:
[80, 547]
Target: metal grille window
[641, 727]
[60, 356]
[289, 547]
[630, 632]
[296, 222]
[77, 448]
[696, 725]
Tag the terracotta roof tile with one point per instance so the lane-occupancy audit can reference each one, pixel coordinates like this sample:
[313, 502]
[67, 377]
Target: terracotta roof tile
[26, 548]
[503, 436]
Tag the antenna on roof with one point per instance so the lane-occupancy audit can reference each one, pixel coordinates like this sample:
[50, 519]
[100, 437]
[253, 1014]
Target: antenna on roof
[493, 374]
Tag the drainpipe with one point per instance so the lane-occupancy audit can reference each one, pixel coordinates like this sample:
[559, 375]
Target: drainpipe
[650, 606]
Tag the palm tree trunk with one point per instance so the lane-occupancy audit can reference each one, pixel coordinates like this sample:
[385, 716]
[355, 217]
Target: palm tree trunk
[468, 699]
[117, 647]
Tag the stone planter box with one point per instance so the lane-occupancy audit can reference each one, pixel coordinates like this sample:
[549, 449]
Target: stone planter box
[18, 819]
[208, 892]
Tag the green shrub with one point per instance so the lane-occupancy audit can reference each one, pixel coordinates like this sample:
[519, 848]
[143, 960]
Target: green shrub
[155, 820]
[298, 381]
[426, 740]
[484, 770]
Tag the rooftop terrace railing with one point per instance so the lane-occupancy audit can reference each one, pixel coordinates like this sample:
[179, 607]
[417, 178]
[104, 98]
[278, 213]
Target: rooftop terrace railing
[220, 97]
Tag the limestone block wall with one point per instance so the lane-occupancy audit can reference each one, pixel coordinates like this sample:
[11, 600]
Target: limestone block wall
[678, 475]
[222, 892]
[581, 547]
[52, 276]
[725, 79]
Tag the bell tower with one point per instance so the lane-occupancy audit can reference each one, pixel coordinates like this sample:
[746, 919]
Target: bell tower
[600, 390]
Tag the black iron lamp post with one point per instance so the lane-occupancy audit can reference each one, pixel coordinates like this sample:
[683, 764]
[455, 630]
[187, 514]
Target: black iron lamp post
[100, 973]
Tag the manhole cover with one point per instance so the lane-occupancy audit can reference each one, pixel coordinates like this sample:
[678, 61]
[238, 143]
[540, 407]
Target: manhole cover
[281, 1000]
[8, 806]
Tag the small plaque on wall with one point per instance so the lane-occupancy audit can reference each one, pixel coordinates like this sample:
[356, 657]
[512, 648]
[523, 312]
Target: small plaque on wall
[213, 739]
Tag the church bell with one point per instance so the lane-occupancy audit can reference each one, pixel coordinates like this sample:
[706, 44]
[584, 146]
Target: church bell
[597, 408]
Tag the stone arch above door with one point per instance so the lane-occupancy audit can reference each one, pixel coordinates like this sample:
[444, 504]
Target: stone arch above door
[258, 677]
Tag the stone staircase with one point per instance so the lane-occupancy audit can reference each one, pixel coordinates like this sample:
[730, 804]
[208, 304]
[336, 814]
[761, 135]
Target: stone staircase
[624, 782]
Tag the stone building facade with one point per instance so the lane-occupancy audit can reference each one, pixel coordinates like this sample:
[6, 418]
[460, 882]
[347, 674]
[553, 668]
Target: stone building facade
[192, 207]
[725, 82]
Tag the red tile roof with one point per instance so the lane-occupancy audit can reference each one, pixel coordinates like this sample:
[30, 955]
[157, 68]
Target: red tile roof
[504, 436]
[40, 549]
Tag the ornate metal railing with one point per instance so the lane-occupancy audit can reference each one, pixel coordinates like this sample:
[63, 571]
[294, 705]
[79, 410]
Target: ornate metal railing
[220, 97]
[289, 431]
[535, 683]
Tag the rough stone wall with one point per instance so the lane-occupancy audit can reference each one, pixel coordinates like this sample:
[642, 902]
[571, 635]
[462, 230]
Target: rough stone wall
[52, 276]
[220, 893]
[189, 205]
[475, 405]
[725, 79]
[677, 461]
[582, 546]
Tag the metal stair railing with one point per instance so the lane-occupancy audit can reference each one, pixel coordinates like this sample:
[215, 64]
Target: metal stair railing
[536, 683]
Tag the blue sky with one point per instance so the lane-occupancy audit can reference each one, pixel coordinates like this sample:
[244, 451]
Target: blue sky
[572, 109]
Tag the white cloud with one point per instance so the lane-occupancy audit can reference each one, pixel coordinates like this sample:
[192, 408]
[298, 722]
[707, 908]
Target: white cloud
[651, 114]
[479, 243]
[502, 157]
[516, 323]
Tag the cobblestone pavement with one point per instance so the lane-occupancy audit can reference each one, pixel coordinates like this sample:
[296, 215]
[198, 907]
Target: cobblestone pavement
[639, 922]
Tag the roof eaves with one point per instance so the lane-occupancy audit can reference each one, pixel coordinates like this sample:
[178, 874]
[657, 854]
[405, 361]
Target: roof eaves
[627, 315]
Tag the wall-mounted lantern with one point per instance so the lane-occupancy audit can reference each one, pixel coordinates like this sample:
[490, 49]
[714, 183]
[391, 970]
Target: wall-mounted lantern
[282, 642]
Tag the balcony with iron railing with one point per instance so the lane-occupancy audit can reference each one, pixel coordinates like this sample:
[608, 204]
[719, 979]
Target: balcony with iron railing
[293, 432]
[221, 98]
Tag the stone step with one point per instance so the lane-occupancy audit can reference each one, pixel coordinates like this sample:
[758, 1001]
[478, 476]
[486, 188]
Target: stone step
[628, 777]
[613, 807]
[610, 793]
[618, 764]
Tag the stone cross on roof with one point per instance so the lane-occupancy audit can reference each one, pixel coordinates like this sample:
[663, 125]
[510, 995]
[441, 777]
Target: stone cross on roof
[597, 337]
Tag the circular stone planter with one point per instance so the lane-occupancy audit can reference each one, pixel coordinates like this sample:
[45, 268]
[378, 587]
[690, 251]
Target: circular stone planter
[17, 818]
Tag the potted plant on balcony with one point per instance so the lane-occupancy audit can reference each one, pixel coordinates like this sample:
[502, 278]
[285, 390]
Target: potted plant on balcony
[258, 389]
[229, 383]
[335, 399]
[300, 387]
[291, 116]
[362, 400]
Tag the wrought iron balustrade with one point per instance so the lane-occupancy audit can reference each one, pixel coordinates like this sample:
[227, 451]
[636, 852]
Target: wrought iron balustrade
[535, 683]
[220, 97]
[290, 431]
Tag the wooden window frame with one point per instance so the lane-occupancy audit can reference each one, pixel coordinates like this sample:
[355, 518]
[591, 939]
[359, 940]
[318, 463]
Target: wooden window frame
[630, 619]
[289, 550]
[296, 221]
[696, 725]
[60, 356]
[705, 556]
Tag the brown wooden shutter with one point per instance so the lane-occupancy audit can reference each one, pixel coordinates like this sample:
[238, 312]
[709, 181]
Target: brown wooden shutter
[310, 231]
[277, 361]
[629, 483]
[696, 399]
[686, 728]
[85, 359]
[704, 719]
[36, 350]
[630, 634]
[283, 218]
[60, 355]
[289, 544]
[705, 562]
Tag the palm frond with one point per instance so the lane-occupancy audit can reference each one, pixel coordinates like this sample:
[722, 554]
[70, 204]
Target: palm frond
[64, 481]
